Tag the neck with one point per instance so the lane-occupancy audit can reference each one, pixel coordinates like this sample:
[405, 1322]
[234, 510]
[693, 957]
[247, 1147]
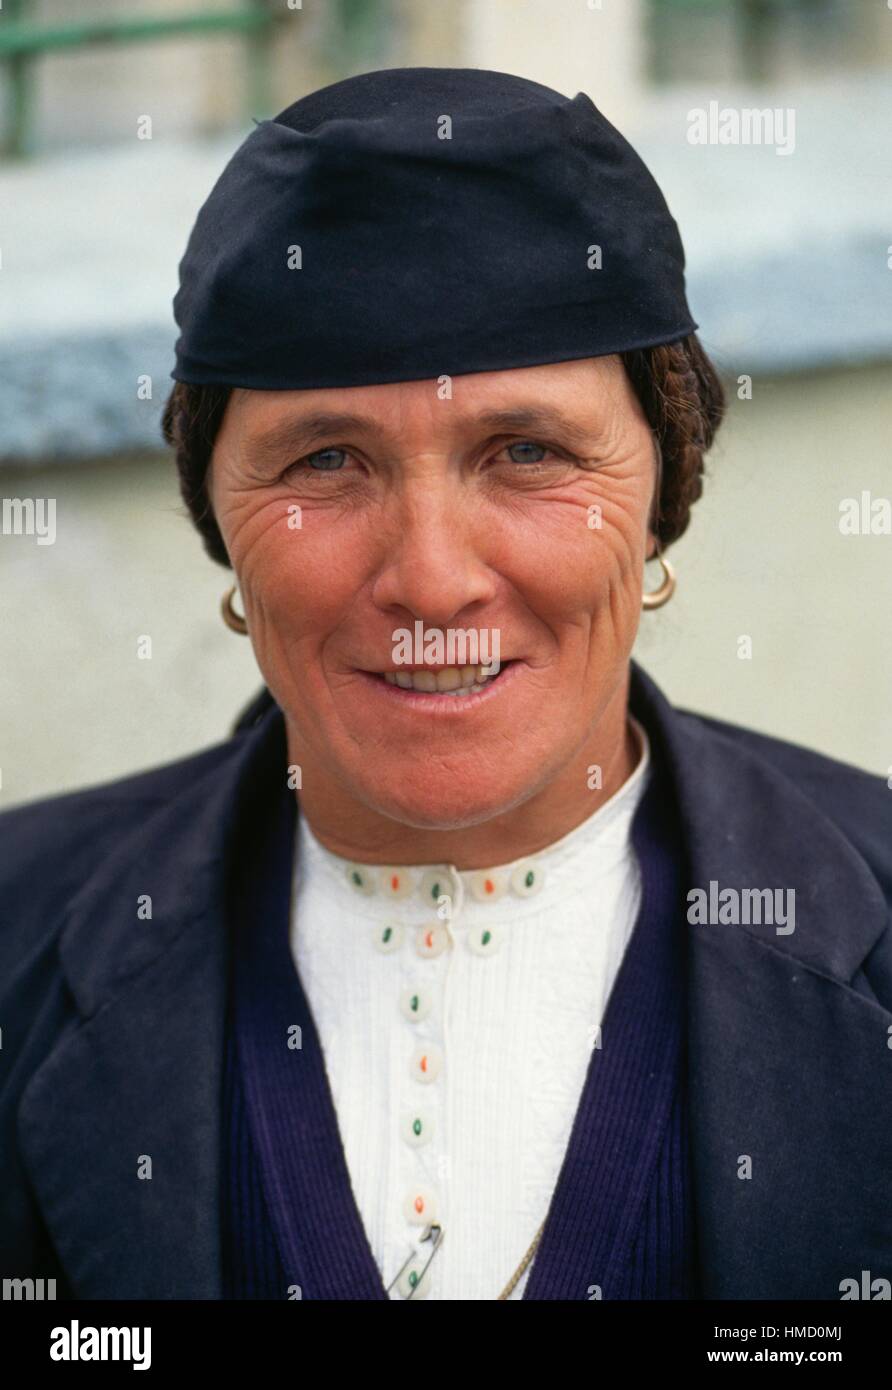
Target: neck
[350, 828]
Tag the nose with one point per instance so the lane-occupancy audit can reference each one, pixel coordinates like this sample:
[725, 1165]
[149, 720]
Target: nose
[433, 566]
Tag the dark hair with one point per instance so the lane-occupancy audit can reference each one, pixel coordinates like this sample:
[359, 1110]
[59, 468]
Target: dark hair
[678, 387]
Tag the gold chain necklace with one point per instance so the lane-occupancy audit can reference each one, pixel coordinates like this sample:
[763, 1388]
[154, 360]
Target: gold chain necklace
[519, 1272]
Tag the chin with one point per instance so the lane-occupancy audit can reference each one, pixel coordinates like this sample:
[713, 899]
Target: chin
[434, 807]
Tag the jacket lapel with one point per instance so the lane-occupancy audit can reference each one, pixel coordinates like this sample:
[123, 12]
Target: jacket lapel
[789, 1065]
[290, 1112]
[119, 1128]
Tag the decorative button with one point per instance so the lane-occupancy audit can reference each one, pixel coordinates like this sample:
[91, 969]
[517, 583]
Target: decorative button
[427, 1061]
[415, 1004]
[388, 938]
[435, 884]
[420, 1206]
[412, 1283]
[487, 887]
[417, 1128]
[526, 878]
[431, 941]
[484, 941]
[361, 879]
[396, 883]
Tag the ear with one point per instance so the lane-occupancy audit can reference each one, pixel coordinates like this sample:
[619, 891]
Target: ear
[651, 547]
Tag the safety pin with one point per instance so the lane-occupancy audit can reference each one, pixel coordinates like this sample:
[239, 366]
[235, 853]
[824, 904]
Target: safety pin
[431, 1232]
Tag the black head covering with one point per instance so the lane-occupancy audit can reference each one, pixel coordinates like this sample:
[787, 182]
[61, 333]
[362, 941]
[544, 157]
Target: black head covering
[348, 243]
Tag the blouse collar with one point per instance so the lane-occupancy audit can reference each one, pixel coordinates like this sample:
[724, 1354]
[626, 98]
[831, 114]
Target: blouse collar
[607, 830]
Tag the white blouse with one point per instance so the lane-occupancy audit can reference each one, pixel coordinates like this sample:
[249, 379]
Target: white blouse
[457, 1012]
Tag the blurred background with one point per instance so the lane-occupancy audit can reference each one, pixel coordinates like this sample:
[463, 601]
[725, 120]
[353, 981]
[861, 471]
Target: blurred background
[116, 116]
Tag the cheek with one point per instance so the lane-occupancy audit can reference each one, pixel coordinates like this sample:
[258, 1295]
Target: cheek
[573, 554]
[299, 568]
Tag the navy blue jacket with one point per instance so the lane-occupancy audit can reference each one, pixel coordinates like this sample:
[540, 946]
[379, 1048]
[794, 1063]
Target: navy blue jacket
[113, 1027]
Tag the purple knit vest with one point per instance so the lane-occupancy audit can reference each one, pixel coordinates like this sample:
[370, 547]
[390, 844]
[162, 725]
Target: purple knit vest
[620, 1222]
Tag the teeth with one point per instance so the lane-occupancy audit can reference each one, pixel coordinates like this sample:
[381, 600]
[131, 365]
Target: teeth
[466, 690]
[452, 680]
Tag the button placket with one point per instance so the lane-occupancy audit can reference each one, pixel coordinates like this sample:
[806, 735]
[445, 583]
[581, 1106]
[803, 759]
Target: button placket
[441, 889]
[423, 1000]
[420, 916]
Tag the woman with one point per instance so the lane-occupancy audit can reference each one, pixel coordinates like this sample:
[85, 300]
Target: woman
[468, 967]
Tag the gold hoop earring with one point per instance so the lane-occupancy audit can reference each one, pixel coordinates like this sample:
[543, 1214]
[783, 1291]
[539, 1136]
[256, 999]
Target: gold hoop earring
[233, 620]
[658, 597]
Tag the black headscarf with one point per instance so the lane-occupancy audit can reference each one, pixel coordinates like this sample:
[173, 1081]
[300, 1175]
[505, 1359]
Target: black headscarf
[417, 222]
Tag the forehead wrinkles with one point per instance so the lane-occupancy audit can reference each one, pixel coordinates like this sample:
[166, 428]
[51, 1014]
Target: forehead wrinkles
[417, 417]
[569, 400]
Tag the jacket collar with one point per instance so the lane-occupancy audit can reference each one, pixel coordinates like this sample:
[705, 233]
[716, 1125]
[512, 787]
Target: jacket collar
[748, 826]
[783, 1052]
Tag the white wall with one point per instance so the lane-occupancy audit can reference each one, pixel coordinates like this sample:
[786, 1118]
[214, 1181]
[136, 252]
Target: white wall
[765, 557]
[571, 45]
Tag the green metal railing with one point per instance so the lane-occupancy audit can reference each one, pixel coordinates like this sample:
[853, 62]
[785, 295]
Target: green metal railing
[22, 44]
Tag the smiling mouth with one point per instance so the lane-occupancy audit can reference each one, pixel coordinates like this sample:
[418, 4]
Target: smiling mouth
[457, 681]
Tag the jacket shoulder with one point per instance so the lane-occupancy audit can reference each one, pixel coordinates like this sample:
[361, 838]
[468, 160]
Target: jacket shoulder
[858, 802]
[50, 845]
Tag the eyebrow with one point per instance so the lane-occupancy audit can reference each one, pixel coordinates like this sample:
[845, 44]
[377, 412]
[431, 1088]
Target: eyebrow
[536, 420]
[294, 436]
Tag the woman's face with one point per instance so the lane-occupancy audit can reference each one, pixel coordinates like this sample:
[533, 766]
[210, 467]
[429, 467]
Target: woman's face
[516, 507]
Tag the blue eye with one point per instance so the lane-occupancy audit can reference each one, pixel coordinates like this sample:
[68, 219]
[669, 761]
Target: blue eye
[526, 452]
[326, 460]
